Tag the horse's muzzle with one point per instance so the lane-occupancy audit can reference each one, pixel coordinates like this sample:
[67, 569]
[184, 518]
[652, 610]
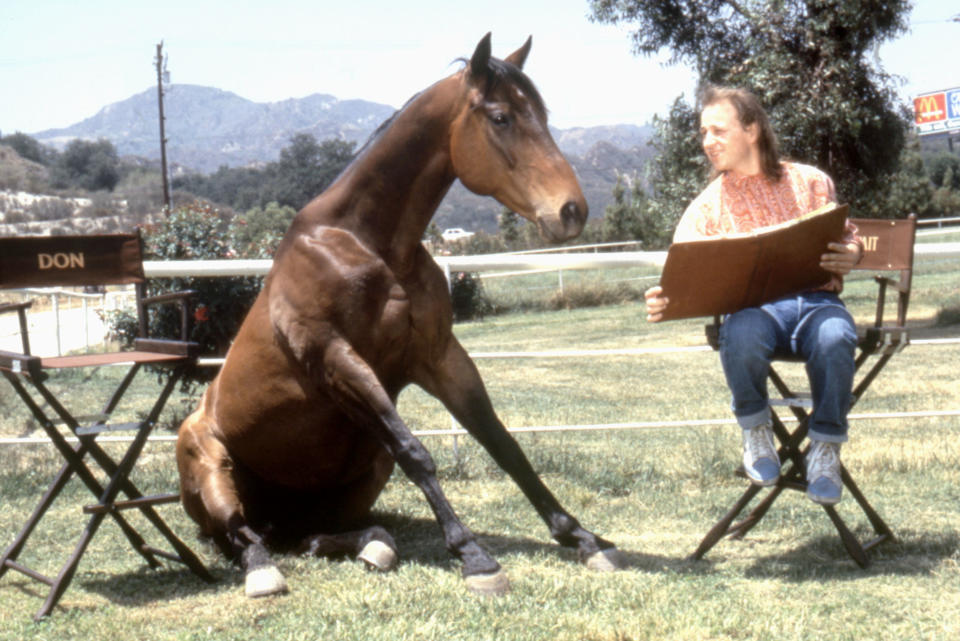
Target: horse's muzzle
[566, 224]
[573, 216]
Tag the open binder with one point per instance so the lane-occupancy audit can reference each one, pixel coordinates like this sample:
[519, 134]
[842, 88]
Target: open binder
[726, 274]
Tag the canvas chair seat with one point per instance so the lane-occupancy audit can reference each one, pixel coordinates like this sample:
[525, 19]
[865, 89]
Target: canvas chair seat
[888, 247]
[79, 261]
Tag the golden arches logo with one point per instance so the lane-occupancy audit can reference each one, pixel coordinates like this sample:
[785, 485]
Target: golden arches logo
[932, 108]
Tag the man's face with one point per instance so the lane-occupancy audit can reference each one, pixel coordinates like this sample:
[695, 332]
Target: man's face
[728, 145]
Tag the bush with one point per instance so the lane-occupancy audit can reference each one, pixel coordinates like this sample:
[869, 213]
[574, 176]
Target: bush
[598, 295]
[195, 231]
[469, 300]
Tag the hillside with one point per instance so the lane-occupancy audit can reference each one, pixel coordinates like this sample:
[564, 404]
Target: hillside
[208, 128]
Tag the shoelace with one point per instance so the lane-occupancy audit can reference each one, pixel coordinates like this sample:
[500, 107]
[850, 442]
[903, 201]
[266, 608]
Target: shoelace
[824, 462]
[759, 445]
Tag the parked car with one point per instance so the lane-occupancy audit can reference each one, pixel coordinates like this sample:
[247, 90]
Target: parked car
[455, 233]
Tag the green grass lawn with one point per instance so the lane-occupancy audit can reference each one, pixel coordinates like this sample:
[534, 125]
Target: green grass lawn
[653, 491]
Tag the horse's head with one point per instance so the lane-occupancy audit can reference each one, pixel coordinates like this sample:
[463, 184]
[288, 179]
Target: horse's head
[501, 146]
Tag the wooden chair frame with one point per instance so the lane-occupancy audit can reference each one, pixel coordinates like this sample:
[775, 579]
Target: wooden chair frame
[888, 247]
[101, 260]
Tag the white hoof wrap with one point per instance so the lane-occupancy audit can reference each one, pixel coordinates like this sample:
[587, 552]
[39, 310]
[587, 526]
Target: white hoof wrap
[605, 561]
[378, 556]
[493, 584]
[264, 581]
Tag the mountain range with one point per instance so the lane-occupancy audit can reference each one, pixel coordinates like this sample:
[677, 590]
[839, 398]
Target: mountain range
[207, 128]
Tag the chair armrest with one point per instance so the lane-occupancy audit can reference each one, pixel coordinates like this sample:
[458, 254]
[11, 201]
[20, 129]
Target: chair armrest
[21, 309]
[169, 297]
[22, 364]
[15, 307]
[894, 283]
[712, 332]
[887, 340]
[180, 298]
[186, 349]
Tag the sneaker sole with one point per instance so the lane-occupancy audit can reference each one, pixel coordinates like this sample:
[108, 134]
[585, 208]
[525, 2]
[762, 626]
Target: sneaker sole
[823, 500]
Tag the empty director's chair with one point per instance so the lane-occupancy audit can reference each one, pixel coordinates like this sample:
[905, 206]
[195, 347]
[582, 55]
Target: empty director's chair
[76, 261]
[888, 248]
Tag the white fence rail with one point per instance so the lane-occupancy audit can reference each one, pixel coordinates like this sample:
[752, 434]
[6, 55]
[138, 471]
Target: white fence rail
[521, 262]
[489, 264]
[477, 263]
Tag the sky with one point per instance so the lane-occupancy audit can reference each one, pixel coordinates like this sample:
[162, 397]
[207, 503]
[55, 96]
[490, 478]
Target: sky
[61, 61]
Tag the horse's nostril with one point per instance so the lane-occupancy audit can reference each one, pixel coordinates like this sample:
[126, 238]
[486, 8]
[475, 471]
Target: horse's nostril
[570, 214]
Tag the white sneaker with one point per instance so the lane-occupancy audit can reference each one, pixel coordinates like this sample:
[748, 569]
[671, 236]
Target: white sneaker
[760, 460]
[824, 484]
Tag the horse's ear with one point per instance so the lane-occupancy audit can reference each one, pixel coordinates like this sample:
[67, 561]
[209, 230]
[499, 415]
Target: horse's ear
[480, 57]
[519, 56]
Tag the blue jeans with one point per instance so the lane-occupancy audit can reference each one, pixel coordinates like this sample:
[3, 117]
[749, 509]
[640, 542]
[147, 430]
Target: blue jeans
[814, 326]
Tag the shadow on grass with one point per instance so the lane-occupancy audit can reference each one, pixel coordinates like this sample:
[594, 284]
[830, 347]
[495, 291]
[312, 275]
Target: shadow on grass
[915, 553]
[419, 541]
[144, 586]
[824, 558]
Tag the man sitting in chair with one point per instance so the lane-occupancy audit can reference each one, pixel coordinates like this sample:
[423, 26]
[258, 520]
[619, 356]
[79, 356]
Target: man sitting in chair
[753, 188]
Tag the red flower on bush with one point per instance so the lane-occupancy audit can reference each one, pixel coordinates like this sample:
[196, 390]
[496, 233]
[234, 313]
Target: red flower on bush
[201, 314]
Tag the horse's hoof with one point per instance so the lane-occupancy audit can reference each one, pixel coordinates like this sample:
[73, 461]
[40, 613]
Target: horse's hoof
[265, 581]
[605, 560]
[378, 556]
[493, 584]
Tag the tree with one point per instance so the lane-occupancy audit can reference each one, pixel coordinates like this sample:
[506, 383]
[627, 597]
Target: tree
[910, 190]
[306, 168]
[257, 233]
[508, 224]
[678, 171]
[89, 165]
[944, 169]
[628, 216]
[809, 61]
[29, 148]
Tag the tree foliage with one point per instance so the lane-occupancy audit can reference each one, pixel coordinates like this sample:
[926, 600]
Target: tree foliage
[629, 217]
[305, 168]
[93, 166]
[29, 148]
[944, 170]
[194, 231]
[257, 233]
[810, 62]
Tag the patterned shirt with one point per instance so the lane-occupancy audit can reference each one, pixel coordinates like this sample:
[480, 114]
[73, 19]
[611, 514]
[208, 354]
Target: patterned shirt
[734, 203]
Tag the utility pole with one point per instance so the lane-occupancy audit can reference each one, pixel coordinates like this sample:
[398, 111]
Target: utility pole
[161, 71]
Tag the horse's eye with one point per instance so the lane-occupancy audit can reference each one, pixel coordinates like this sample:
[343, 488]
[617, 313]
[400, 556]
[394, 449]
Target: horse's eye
[500, 119]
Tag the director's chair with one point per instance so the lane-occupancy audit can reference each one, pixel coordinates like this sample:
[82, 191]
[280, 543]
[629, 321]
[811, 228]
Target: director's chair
[79, 261]
[888, 248]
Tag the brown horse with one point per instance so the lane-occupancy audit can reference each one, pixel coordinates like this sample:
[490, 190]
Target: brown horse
[299, 432]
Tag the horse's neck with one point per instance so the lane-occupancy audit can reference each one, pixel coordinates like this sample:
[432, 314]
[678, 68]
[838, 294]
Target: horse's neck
[388, 195]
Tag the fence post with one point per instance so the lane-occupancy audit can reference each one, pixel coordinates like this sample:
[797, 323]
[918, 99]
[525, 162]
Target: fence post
[55, 298]
[86, 323]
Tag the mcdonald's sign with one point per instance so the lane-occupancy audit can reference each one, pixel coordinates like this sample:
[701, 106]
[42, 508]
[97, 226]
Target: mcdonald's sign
[937, 112]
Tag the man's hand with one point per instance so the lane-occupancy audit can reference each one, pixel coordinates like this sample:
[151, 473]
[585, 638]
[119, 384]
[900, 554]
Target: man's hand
[841, 258]
[656, 303]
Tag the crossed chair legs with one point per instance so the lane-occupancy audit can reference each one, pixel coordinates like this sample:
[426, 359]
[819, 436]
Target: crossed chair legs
[107, 503]
[793, 477]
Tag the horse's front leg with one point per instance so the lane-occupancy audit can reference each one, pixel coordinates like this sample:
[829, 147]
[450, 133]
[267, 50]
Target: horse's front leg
[457, 383]
[360, 394]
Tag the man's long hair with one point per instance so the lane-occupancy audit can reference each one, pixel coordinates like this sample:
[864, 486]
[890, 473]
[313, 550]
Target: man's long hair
[749, 112]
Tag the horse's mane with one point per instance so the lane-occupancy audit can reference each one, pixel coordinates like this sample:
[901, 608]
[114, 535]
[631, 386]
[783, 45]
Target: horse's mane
[497, 71]
[500, 70]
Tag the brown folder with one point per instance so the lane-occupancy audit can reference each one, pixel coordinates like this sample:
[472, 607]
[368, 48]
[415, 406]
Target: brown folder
[725, 274]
